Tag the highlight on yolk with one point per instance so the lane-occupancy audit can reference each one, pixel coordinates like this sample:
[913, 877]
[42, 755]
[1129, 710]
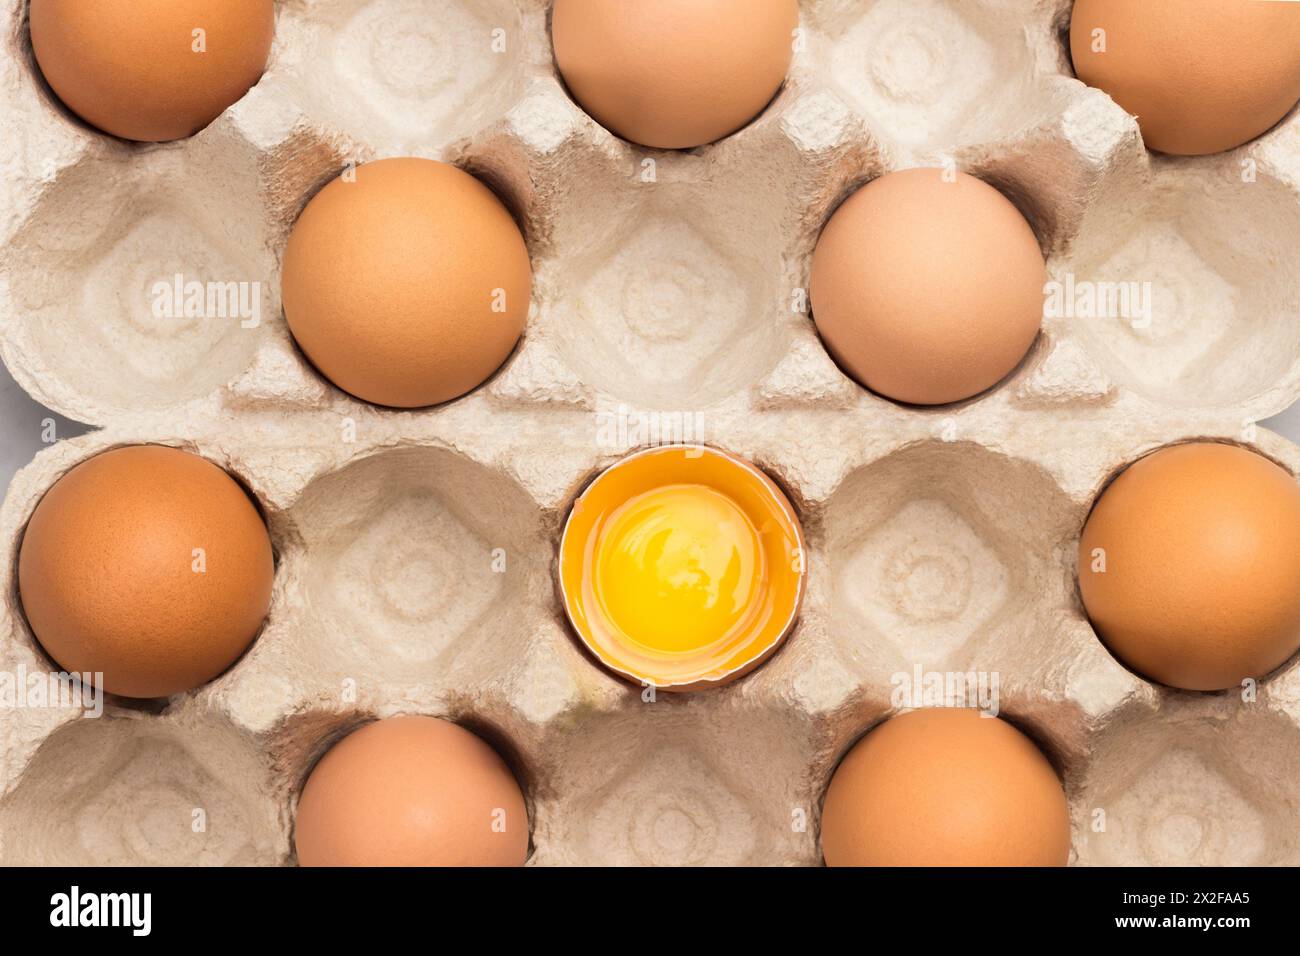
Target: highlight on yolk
[678, 566]
[682, 567]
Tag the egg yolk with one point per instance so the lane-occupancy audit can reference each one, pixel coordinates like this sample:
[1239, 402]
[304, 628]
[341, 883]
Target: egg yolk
[678, 569]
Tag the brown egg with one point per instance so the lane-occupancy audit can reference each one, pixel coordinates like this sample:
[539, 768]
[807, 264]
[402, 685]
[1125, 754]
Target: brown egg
[151, 70]
[411, 791]
[1201, 76]
[148, 564]
[945, 787]
[408, 286]
[674, 74]
[1189, 566]
[926, 290]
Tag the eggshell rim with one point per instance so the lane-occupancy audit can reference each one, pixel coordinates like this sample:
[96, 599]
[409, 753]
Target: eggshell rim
[753, 662]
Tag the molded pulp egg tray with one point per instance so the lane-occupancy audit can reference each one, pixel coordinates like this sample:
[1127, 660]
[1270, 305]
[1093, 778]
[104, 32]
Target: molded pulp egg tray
[667, 297]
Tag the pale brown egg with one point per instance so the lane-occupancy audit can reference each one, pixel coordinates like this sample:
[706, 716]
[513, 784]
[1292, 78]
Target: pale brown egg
[945, 787]
[151, 70]
[411, 791]
[1201, 76]
[149, 565]
[674, 74]
[1189, 566]
[407, 284]
[928, 288]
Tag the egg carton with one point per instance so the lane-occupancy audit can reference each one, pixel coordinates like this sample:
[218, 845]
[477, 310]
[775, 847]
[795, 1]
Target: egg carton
[416, 550]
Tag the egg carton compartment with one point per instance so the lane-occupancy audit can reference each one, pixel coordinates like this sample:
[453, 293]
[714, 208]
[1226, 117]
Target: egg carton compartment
[681, 782]
[1198, 784]
[940, 545]
[412, 570]
[182, 789]
[1209, 247]
[92, 282]
[938, 75]
[668, 294]
[668, 287]
[401, 76]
